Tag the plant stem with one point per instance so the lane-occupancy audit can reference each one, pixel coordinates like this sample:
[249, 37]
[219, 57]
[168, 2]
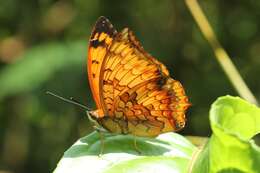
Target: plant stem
[221, 55]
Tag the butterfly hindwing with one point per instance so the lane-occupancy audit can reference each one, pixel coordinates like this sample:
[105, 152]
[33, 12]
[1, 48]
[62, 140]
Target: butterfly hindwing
[154, 107]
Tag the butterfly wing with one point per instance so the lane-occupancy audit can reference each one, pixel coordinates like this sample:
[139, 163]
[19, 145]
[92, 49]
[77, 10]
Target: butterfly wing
[153, 107]
[132, 90]
[139, 95]
[100, 41]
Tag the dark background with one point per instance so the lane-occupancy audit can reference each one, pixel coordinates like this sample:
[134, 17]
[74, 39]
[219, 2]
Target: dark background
[43, 46]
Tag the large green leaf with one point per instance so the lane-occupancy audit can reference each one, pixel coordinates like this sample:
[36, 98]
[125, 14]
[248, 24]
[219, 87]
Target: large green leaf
[230, 149]
[168, 152]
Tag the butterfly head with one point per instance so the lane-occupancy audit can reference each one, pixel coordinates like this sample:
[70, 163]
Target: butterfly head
[95, 114]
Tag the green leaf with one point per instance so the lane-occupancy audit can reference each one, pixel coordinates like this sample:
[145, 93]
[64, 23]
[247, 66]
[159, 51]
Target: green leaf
[38, 64]
[168, 152]
[230, 149]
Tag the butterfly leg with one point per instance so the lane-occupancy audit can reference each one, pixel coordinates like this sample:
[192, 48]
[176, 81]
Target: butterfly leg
[136, 147]
[101, 136]
[102, 144]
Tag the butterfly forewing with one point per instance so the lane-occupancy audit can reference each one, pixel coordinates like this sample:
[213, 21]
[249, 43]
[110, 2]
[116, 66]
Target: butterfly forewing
[101, 39]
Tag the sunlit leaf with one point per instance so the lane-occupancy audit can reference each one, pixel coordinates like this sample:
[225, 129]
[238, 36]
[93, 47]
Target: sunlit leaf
[230, 149]
[168, 152]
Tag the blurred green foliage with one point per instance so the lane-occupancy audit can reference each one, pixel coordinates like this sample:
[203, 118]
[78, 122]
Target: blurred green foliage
[43, 46]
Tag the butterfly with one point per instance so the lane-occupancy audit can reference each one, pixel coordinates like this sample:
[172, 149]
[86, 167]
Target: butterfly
[133, 91]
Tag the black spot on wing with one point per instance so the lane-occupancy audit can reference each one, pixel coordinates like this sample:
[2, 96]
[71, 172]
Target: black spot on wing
[161, 81]
[104, 25]
[95, 62]
[96, 43]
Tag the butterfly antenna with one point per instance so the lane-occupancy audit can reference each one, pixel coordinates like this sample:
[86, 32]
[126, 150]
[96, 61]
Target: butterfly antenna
[71, 100]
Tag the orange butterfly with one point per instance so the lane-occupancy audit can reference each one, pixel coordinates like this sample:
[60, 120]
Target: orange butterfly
[134, 93]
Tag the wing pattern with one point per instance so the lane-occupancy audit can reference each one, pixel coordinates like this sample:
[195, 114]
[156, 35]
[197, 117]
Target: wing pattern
[136, 93]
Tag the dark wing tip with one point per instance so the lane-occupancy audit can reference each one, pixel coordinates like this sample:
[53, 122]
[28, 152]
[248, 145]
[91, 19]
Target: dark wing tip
[105, 26]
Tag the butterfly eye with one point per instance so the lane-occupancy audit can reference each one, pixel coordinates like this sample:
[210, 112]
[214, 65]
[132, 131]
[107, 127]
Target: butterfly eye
[92, 114]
